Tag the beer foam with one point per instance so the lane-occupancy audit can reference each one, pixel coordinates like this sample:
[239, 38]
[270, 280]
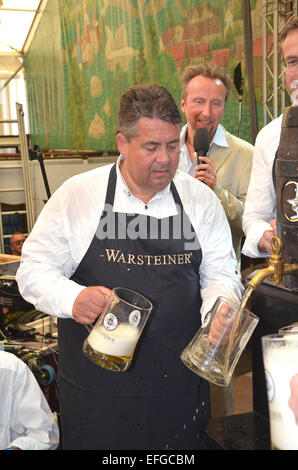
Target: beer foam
[119, 342]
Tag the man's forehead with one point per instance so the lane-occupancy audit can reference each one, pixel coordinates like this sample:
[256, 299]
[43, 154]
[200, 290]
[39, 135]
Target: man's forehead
[155, 126]
[218, 82]
[201, 85]
[290, 44]
[17, 237]
[202, 79]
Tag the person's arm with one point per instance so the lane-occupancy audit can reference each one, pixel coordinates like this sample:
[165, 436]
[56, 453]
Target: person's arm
[54, 249]
[48, 262]
[32, 423]
[260, 203]
[219, 274]
[232, 204]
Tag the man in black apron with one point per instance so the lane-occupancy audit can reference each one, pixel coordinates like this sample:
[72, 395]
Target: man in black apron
[157, 403]
[259, 218]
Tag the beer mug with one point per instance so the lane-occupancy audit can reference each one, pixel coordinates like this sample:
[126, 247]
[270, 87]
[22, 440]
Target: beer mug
[293, 328]
[280, 354]
[215, 350]
[112, 340]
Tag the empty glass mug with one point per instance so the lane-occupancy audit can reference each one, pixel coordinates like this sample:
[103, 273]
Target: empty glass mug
[292, 329]
[112, 340]
[214, 351]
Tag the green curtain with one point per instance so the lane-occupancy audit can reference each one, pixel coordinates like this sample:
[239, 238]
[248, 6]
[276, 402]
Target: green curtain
[86, 53]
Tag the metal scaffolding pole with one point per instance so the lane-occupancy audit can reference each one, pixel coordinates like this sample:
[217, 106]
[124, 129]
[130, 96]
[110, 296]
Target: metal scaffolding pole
[26, 167]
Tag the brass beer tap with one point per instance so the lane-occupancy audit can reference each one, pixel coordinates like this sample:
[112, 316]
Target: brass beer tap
[276, 268]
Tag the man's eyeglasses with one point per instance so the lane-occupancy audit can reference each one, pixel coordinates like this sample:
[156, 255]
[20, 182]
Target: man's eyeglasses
[18, 242]
[290, 63]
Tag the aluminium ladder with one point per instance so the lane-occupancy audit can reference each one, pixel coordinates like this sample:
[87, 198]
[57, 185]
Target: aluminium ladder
[23, 165]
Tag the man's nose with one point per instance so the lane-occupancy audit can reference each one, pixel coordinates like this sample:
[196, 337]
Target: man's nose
[206, 109]
[163, 154]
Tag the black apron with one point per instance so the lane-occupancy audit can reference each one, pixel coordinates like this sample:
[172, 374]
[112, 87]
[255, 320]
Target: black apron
[157, 403]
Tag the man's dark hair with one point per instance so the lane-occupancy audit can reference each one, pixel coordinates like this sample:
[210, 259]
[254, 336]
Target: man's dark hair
[151, 101]
[288, 28]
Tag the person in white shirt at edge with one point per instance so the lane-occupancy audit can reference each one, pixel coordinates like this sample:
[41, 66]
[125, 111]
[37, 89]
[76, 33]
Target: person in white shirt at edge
[73, 257]
[26, 420]
[226, 168]
[259, 224]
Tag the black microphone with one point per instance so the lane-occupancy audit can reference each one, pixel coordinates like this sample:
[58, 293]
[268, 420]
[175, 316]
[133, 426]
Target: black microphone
[201, 142]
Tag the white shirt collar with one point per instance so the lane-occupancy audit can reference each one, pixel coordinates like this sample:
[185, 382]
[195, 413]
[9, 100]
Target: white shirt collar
[185, 163]
[183, 135]
[125, 189]
[219, 137]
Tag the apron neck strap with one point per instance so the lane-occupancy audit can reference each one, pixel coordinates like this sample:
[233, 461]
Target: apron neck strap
[110, 195]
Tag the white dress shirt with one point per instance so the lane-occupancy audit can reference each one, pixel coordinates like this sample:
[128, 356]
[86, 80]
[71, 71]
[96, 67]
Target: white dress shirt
[26, 420]
[260, 205]
[66, 226]
[185, 163]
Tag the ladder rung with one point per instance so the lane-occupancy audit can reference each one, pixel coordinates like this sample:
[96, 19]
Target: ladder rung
[13, 212]
[10, 167]
[5, 190]
[6, 141]
[8, 121]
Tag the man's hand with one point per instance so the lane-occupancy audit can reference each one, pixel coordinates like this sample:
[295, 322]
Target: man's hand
[206, 173]
[221, 325]
[90, 303]
[264, 244]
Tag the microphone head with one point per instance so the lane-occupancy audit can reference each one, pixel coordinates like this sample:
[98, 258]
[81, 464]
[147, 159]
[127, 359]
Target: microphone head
[201, 141]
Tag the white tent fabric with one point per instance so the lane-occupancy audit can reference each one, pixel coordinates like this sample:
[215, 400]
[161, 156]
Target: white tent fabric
[18, 22]
[17, 18]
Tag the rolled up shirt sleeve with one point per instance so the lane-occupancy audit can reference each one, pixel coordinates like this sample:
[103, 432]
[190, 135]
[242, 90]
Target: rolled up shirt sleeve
[52, 252]
[219, 273]
[260, 201]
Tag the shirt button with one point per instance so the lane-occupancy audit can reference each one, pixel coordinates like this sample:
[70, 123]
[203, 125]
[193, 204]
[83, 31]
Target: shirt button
[146, 207]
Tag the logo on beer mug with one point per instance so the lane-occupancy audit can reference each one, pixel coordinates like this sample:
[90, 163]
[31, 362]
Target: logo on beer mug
[134, 318]
[269, 385]
[110, 322]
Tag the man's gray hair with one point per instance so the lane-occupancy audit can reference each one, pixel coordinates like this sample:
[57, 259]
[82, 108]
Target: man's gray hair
[206, 70]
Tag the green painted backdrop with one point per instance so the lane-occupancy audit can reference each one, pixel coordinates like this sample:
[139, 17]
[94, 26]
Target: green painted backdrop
[87, 52]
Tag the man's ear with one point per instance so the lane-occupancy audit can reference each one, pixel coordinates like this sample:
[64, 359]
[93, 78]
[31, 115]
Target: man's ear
[182, 104]
[122, 143]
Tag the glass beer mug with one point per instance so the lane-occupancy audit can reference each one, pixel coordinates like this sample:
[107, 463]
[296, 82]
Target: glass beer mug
[280, 355]
[112, 340]
[290, 329]
[215, 357]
